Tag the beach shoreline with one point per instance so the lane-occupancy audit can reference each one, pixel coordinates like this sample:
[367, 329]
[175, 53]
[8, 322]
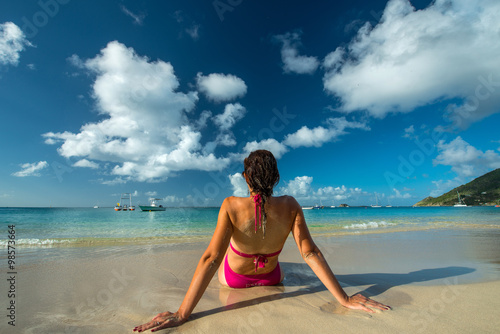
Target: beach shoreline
[439, 281]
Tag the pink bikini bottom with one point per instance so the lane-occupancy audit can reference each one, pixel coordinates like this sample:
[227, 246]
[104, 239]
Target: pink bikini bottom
[239, 281]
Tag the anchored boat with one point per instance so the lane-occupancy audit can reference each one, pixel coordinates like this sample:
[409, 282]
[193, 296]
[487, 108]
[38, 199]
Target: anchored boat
[153, 205]
[460, 203]
[125, 207]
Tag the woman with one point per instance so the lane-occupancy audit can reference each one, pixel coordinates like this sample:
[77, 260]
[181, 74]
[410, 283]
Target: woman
[249, 236]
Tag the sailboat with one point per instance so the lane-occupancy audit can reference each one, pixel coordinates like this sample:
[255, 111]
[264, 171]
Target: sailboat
[376, 202]
[460, 203]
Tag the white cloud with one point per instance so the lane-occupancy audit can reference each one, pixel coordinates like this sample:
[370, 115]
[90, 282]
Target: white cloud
[466, 160]
[319, 135]
[398, 195]
[443, 187]
[221, 87]
[409, 132]
[239, 185]
[232, 114]
[32, 169]
[137, 18]
[272, 145]
[12, 42]
[144, 129]
[86, 163]
[299, 187]
[338, 193]
[448, 50]
[193, 31]
[292, 61]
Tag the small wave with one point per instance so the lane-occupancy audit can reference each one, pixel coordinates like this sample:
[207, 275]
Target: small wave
[365, 226]
[37, 242]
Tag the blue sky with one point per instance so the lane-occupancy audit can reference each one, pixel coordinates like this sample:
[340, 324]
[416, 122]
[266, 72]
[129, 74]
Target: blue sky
[394, 99]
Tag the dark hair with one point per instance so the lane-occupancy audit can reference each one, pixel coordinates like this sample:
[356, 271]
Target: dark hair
[262, 172]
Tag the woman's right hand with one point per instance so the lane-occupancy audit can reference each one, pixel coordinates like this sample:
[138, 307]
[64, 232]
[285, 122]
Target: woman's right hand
[161, 321]
[360, 302]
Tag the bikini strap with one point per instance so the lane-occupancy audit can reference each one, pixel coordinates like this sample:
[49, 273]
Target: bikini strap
[260, 260]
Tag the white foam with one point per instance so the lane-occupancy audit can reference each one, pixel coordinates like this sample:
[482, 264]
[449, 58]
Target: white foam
[35, 242]
[369, 225]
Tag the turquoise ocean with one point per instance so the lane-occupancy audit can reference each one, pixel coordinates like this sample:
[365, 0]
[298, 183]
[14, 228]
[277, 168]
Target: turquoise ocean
[67, 227]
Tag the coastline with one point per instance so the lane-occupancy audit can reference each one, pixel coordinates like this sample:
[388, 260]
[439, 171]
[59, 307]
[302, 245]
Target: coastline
[437, 281]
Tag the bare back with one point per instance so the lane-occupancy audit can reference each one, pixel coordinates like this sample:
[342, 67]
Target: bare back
[281, 213]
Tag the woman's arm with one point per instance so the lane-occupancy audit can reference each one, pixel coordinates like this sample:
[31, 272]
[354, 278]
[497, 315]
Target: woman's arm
[314, 258]
[207, 266]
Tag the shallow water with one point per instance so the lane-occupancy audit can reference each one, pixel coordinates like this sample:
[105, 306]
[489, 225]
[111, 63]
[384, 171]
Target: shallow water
[49, 227]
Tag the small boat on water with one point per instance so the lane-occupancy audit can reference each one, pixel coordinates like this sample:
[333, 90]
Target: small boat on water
[460, 203]
[125, 207]
[376, 202]
[153, 205]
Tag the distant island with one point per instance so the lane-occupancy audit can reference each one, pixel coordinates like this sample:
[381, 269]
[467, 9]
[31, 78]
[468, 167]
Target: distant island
[485, 190]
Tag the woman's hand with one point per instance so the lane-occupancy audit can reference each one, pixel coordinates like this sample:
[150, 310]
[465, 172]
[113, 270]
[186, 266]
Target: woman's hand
[161, 321]
[360, 302]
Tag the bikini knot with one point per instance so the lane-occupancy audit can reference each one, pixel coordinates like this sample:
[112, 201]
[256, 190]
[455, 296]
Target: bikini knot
[260, 261]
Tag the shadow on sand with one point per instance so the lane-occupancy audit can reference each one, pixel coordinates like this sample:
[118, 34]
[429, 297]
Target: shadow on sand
[299, 275]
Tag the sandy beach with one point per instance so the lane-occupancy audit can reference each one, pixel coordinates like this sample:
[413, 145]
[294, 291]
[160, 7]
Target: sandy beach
[437, 281]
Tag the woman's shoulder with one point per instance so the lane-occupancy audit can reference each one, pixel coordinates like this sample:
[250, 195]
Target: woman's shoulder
[287, 200]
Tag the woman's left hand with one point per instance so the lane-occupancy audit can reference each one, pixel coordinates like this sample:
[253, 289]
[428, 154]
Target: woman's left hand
[161, 321]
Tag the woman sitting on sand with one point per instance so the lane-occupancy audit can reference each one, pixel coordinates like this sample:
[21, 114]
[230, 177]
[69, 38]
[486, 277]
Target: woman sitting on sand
[250, 233]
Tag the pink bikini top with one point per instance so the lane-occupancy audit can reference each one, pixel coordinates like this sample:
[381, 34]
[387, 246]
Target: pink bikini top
[260, 260]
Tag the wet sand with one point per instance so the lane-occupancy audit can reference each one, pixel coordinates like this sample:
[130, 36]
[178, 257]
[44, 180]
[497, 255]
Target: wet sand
[439, 281]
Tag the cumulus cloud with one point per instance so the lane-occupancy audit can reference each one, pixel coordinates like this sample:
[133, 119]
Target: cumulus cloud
[31, 169]
[319, 135]
[302, 189]
[144, 129]
[399, 195]
[298, 187]
[12, 42]
[232, 114]
[86, 163]
[292, 61]
[220, 87]
[412, 58]
[239, 185]
[271, 144]
[466, 160]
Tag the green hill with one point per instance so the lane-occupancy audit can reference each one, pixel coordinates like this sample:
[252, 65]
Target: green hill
[485, 190]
